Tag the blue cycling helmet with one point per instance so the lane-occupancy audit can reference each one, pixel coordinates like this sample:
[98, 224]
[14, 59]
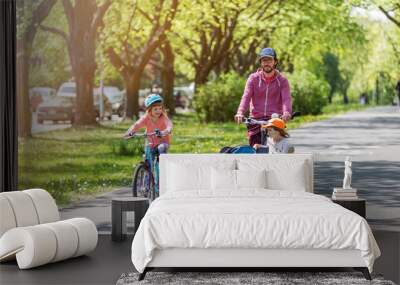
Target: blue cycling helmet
[151, 99]
[267, 52]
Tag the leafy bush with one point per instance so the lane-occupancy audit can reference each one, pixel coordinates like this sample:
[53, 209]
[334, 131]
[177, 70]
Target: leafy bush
[218, 100]
[309, 94]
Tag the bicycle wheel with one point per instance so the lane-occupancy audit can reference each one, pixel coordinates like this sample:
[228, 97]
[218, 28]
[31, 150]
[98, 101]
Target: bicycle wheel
[140, 182]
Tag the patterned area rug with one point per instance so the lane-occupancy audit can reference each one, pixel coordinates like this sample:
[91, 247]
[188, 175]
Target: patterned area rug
[242, 278]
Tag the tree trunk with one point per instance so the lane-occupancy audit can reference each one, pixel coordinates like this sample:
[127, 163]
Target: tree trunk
[84, 21]
[345, 98]
[83, 68]
[84, 111]
[24, 115]
[200, 77]
[132, 85]
[330, 95]
[168, 77]
[377, 92]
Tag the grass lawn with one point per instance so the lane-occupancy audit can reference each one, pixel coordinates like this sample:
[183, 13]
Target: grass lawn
[79, 162]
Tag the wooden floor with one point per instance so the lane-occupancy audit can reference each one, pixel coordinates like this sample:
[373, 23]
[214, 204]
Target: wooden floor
[110, 259]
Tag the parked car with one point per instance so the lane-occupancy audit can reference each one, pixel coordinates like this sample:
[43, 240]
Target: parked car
[68, 90]
[38, 95]
[57, 109]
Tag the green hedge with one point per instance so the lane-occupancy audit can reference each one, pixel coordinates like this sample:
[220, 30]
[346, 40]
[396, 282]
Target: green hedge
[217, 101]
[309, 93]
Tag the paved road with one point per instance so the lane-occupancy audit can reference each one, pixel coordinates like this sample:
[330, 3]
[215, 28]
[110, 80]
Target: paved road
[49, 126]
[372, 139]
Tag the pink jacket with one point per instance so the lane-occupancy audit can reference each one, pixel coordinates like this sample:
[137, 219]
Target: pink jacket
[264, 98]
[163, 124]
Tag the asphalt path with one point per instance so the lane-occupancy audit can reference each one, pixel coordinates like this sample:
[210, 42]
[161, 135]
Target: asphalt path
[372, 140]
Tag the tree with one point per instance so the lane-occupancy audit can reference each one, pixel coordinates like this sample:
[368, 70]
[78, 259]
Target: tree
[85, 19]
[331, 73]
[168, 75]
[395, 17]
[257, 23]
[205, 32]
[49, 60]
[130, 48]
[29, 15]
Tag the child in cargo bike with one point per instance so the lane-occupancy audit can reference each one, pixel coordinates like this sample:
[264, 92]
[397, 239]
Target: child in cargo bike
[277, 140]
[274, 138]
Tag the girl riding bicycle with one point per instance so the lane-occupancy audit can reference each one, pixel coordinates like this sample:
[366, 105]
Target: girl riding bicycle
[154, 120]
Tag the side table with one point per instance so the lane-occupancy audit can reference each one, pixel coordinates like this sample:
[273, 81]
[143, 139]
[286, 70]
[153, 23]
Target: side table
[357, 205]
[119, 207]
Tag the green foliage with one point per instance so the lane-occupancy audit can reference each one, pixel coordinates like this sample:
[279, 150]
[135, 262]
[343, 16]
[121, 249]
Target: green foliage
[127, 147]
[380, 53]
[341, 108]
[24, 15]
[331, 71]
[49, 60]
[384, 89]
[309, 93]
[218, 100]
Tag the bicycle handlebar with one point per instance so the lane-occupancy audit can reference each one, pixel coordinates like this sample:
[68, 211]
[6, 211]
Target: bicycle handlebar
[251, 121]
[157, 133]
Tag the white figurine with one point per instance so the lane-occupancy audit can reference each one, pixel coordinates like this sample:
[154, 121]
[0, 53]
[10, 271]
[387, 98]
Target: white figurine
[347, 173]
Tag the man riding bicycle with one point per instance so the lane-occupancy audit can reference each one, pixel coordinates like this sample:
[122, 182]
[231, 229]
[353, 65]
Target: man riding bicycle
[267, 92]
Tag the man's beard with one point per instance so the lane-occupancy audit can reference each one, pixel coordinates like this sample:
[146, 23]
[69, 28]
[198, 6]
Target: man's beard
[268, 69]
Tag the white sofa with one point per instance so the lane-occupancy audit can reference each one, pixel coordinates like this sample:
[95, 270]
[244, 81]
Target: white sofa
[31, 231]
[264, 209]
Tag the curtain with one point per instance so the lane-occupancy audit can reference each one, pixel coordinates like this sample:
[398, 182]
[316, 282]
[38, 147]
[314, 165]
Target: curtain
[8, 122]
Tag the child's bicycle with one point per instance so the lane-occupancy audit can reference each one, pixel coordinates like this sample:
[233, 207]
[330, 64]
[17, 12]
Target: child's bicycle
[146, 174]
[264, 135]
